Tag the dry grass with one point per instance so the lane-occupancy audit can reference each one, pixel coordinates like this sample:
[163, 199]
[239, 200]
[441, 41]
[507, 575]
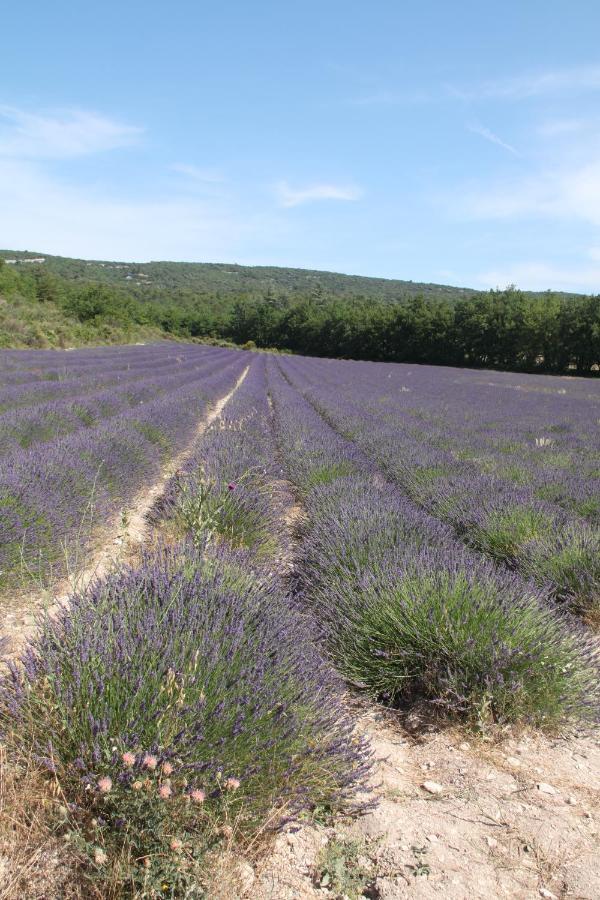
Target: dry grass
[36, 861]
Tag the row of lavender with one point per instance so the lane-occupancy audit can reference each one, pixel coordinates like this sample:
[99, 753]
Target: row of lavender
[55, 493]
[53, 374]
[185, 701]
[523, 431]
[230, 503]
[232, 483]
[186, 698]
[77, 384]
[43, 365]
[446, 448]
[406, 610]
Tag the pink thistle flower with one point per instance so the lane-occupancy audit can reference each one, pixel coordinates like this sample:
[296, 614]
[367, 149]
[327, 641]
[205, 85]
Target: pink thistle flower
[232, 784]
[105, 784]
[150, 761]
[164, 791]
[128, 759]
[198, 796]
[167, 768]
[99, 856]
[176, 845]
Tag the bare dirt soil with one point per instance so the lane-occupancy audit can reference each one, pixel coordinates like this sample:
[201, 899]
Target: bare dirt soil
[458, 817]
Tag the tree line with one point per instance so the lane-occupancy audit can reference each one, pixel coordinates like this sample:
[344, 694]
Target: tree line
[498, 329]
[505, 329]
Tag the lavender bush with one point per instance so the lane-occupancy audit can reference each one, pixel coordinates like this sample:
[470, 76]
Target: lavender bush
[181, 698]
[410, 615]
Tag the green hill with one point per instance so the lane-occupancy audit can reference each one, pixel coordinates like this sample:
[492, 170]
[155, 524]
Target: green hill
[230, 279]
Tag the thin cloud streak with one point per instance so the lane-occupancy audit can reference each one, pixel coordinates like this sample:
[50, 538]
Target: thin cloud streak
[289, 197]
[492, 137]
[577, 79]
[560, 127]
[60, 134]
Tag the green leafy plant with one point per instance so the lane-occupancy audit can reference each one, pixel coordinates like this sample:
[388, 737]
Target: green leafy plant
[344, 869]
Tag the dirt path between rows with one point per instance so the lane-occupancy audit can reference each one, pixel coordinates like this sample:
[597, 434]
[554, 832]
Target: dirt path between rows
[457, 817]
[128, 531]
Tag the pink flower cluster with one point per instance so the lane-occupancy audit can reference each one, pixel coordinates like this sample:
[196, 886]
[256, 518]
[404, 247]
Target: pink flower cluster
[150, 762]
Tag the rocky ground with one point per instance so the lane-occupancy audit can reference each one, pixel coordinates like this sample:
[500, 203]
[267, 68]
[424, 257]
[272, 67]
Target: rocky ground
[516, 817]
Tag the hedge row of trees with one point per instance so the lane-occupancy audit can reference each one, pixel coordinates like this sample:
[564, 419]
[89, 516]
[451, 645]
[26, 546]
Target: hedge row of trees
[500, 329]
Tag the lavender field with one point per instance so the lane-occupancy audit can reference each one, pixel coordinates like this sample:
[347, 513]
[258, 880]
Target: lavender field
[81, 432]
[413, 535]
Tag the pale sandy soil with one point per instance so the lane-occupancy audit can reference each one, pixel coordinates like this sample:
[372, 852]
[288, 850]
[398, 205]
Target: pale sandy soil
[517, 818]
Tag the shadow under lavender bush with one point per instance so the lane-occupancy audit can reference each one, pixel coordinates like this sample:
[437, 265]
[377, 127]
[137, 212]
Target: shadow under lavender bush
[179, 702]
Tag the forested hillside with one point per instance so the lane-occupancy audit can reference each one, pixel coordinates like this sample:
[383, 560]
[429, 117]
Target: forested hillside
[62, 302]
[224, 279]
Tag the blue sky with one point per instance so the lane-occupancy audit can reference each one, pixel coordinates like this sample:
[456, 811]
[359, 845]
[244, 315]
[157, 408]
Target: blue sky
[454, 142]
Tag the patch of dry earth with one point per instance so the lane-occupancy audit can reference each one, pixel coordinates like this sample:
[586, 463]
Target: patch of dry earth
[516, 819]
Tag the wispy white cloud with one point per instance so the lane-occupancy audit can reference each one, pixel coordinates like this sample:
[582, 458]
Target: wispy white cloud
[492, 137]
[199, 173]
[40, 211]
[563, 192]
[56, 214]
[551, 82]
[289, 196]
[541, 276]
[562, 126]
[60, 134]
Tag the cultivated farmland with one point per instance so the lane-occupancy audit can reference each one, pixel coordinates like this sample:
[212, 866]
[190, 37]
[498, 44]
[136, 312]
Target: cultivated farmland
[235, 584]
